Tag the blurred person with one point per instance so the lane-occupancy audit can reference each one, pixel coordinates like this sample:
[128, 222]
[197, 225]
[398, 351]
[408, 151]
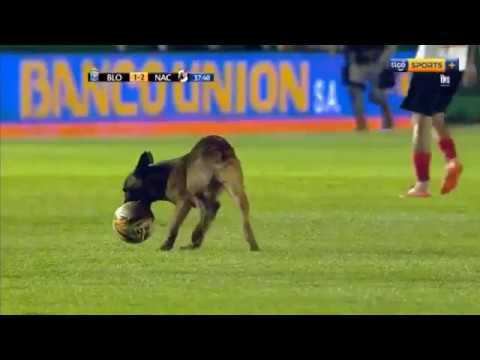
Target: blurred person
[369, 64]
[254, 47]
[123, 48]
[287, 47]
[329, 48]
[428, 98]
[332, 49]
[229, 47]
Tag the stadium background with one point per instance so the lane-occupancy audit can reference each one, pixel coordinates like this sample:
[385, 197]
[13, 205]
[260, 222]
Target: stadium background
[45, 92]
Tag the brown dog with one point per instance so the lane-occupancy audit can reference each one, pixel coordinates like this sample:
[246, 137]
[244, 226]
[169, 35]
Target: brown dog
[193, 180]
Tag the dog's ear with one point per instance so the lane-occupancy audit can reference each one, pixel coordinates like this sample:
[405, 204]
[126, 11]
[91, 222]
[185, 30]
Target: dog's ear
[143, 162]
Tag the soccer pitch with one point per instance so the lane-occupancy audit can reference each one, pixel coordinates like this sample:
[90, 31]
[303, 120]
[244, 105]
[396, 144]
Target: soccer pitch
[335, 236]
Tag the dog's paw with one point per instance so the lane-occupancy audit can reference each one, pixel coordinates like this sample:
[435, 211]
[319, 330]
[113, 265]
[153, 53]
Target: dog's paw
[165, 247]
[189, 247]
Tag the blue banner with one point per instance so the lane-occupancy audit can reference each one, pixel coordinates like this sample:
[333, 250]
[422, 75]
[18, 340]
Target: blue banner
[54, 88]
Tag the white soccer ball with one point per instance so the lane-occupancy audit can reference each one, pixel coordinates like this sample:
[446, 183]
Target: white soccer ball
[133, 221]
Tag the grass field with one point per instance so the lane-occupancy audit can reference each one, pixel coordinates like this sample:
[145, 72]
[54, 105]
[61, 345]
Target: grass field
[335, 236]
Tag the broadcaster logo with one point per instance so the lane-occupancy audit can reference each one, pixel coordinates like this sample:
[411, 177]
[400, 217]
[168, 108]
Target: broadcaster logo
[424, 65]
[399, 65]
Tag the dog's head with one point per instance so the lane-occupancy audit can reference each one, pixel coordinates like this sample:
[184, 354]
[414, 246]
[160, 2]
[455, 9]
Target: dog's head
[137, 186]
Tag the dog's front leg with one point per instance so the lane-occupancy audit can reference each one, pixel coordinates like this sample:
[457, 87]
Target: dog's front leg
[182, 209]
[208, 211]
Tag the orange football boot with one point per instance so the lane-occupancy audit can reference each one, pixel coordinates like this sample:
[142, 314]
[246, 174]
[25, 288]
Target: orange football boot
[453, 170]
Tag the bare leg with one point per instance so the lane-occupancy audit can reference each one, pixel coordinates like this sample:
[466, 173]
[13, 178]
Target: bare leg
[181, 211]
[440, 126]
[422, 133]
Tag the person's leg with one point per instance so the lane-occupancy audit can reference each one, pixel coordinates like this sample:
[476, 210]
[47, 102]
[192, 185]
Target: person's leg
[421, 100]
[422, 129]
[379, 97]
[445, 140]
[356, 96]
[446, 144]
[355, 77]
[380, 83]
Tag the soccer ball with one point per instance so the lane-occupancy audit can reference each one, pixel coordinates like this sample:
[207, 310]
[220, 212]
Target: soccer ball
[133, 221]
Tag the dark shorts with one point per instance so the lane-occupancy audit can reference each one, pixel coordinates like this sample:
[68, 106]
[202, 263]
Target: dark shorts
[431, 93]
[360, 75]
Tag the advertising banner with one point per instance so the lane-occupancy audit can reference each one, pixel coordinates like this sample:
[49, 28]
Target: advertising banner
[250, 90]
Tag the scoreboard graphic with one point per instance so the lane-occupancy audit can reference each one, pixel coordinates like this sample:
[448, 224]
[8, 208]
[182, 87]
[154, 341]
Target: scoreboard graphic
[181, 76]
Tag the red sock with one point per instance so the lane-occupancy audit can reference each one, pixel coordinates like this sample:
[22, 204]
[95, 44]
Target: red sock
[447, 146]
[421, 161]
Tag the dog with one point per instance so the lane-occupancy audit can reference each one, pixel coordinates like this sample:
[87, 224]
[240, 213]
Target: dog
[193, 180]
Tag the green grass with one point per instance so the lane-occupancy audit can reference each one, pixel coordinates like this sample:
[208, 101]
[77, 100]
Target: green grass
[335, 236]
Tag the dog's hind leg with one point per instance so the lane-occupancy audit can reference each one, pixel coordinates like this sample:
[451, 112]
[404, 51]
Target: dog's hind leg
[211, 196]
[231, 178]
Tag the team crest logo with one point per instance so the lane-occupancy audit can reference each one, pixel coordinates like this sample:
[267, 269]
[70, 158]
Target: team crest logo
[93, 75]
[182, 76]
